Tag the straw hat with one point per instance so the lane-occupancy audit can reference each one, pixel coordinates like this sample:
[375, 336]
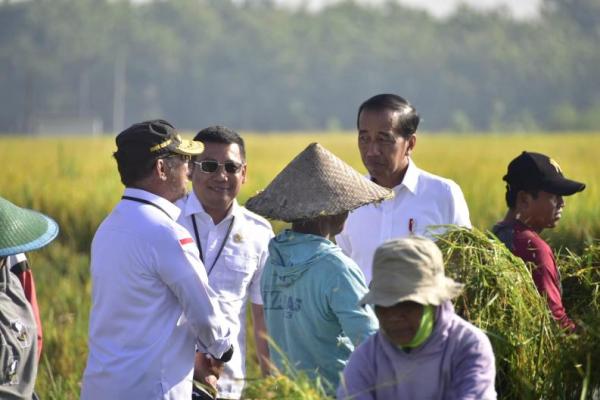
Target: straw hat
[313, 184]
[23, 230]
[409, 269]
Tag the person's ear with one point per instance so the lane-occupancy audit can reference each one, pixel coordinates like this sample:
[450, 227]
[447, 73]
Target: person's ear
[412, 142]
[160, 169]
[523, 201]
[244, 172]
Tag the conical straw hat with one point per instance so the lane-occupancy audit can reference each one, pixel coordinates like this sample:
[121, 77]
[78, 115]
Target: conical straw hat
[315, 183]
[23, 230]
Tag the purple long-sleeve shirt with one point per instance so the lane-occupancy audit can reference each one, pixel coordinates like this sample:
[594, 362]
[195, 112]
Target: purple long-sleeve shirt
[456, 362]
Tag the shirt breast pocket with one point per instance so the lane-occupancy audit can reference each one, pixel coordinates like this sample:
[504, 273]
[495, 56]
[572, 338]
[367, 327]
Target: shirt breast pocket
[234, 275]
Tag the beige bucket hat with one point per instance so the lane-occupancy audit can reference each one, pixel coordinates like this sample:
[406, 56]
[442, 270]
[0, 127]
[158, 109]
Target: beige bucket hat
[409, 269]
[315, 183]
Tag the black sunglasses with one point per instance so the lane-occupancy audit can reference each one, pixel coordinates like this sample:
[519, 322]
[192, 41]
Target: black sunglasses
[210, 166]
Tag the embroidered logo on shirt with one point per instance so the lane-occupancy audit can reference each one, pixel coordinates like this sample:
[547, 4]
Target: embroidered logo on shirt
[185, 241]
[238, 238]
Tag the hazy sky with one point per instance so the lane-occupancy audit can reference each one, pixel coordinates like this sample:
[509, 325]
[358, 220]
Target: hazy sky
[519, 8]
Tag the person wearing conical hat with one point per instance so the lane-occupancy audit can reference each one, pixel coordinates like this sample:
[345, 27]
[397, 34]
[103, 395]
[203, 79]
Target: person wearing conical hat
[310, 288]
[535, 187]
[423, 350]
[21, 230]
[387, 137]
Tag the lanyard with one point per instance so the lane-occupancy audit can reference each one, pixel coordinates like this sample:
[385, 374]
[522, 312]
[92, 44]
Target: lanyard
[144, 201]
[222, 244]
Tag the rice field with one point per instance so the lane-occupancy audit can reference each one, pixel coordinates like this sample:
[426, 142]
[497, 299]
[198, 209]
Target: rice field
[74, 180]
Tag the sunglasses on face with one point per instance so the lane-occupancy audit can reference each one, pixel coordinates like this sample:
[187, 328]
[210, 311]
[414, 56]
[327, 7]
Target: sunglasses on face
[210, 166]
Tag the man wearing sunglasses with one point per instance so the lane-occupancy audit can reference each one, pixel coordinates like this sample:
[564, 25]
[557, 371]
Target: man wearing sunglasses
[233, 243]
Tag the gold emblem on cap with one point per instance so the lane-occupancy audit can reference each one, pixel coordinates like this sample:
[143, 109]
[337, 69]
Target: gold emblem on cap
[160, 145]
[237, 238]
[167, 143]
[556, 166]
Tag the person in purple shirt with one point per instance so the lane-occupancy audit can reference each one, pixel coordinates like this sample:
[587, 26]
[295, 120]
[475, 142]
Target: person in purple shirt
[423, 350]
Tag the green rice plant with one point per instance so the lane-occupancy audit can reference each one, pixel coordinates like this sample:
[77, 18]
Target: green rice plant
[75, 180]
[581, 297]
[64, 293]
[534, 357]
[276, 387]
[289, 384]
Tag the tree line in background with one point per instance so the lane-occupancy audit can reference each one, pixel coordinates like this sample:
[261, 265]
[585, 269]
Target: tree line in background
[254, 66]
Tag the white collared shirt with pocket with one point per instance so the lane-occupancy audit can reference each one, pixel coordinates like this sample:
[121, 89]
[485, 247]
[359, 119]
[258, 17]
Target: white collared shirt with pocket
[420, 201]
[234, 275]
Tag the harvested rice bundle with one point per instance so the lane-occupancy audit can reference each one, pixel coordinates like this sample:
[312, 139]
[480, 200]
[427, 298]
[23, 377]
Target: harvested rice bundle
[535, 359]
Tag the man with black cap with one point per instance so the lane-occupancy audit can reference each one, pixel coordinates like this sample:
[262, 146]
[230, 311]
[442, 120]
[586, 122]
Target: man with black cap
[151, 302]
[535, 187]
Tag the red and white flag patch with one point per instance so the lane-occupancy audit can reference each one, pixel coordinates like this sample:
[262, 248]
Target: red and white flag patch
[185, 241]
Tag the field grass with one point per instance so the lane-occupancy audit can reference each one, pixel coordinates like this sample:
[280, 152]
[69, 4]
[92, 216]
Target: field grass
[75, 181]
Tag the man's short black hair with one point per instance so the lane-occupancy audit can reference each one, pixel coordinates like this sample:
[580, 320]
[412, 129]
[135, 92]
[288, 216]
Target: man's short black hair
[409, 119]
[221, 134]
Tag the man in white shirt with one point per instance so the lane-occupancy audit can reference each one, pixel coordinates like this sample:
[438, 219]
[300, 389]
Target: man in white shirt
[151, 302]
[387, 126]
[233, 244]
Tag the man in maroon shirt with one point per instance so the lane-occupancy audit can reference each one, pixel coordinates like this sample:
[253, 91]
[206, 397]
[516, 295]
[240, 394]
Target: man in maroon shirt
[535, 187]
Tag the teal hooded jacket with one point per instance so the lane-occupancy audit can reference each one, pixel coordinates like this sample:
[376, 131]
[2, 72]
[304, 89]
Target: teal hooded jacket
[310, 293]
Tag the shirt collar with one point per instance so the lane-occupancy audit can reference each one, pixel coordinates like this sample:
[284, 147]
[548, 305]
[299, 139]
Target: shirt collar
[163, 203]
[411, 178]
[193, 206]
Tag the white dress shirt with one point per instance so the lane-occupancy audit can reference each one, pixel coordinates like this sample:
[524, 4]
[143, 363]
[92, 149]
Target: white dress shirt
[151, 304]
[420, 201]
[234, 275]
